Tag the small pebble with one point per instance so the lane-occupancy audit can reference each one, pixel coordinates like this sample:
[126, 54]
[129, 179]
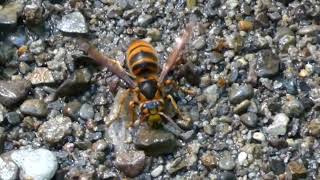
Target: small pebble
[226, 162]
[259, 136]
[71, 109]
[55, 129]
[267, 63]
[37, 47]
[245, 26]
[86, 111]
[279, 125]
[13, 118]
[199, 43]
[242, 156]
[293, 107]
[73, 23]
[99, 145]
[314, 128]
[155, 141]
[131, 163]
[277, 166]
[249, 119]
[145, 19]
[34, 107]
[157, 171]
[242, 107]
[211, 94]
[154, 33]
[33, 14]
[240, 93]
[297, 170]
[176, 165]
[209, 160]
[191, 3]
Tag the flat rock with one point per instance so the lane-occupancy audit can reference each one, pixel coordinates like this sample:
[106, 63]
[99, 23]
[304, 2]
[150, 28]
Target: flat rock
[155, 141]
[12, 92]
[39, 164]
[73, 23]
[34, 107]
[131, 163]
[41, 75]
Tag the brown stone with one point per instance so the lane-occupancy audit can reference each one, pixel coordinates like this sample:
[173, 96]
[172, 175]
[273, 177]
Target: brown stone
[209, 160]
[245, 26]
[296, 170]
[131, 163]
[314, 128]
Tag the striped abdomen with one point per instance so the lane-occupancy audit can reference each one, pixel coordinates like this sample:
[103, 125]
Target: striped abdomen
[142, 58]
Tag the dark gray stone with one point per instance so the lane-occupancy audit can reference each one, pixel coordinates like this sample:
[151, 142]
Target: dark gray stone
[13, 118]
[12, 92]
[240, 93]
[249, 119]
[155, 141]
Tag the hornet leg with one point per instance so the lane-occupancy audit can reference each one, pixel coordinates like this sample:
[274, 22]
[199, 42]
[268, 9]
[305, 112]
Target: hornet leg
[175, 85]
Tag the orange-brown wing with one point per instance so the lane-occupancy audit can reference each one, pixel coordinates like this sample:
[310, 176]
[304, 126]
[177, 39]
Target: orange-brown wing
[175, 55]
[112, 65]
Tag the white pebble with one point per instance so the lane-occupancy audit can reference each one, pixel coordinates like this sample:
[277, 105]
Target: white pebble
[259, 136]
[242, 157]
[157, 171]
[39, 164]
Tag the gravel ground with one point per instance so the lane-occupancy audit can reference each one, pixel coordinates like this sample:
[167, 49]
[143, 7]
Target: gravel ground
[254, 65]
